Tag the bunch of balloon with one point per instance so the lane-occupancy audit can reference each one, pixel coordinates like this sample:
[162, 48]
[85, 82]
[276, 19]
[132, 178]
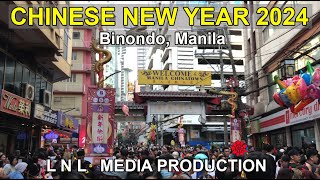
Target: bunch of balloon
[299, 91]
[152, 133]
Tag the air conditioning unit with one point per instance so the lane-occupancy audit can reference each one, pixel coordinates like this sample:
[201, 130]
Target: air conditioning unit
[45, 97]
[27, 91]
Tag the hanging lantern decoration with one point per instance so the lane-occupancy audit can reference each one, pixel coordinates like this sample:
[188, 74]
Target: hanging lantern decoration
[125, 110]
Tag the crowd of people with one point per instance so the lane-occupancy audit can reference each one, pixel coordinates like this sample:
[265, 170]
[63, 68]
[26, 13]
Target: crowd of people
[285, 163]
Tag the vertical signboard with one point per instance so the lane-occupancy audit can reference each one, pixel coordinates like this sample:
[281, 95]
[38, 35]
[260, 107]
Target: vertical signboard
[100, 122]
[235, 130]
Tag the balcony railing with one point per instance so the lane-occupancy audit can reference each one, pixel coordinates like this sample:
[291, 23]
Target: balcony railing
[81, 67]
[81, 44]
[68, 87]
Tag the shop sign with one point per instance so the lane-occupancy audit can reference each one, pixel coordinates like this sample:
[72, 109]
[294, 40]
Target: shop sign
[51, 135]
[195, 134]
[15, 105]
[68, 122]
[174, 77]
[287, 118]
[310, 112]
[45, 114]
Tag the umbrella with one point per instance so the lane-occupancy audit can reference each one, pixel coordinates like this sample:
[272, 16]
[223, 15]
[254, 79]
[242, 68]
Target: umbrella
[201, 156]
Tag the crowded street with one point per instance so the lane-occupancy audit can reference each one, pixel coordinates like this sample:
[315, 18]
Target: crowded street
[159, 89]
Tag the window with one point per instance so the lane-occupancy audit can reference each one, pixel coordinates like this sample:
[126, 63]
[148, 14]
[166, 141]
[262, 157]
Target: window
[267, 32]
[43, 84]
[37, 88]
[235, 33]
[74, 55]
[49, 86]
[236, 47]
[32, 80]
[73, 78]
[254, 43]
[2, 60]
[76, 35]
[18, 79]
[65, 44]
[9, 74]
[26, 75]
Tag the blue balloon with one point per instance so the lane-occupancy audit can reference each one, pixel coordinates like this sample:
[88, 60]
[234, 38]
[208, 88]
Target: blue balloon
[307, 78]
[285, 99]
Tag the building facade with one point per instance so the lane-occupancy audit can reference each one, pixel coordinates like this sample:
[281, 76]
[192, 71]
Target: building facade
[266, 48]
[70, 94]
[31, 61]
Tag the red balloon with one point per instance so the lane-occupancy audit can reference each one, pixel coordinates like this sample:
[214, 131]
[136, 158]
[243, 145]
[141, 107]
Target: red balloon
[303, 103]
[277, 99]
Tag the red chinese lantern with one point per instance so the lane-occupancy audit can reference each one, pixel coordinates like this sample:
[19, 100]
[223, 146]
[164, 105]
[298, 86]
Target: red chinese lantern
[125, 110]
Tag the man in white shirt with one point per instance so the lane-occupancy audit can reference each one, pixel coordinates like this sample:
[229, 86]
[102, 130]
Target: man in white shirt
[270, 151]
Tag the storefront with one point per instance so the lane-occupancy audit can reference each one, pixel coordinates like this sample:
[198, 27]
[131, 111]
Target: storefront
[69, 126]
[48, 120]
[15, 124]
[287, 129]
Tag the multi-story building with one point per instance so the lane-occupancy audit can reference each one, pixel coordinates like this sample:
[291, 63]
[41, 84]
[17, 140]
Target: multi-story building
[31, 61]
[201, 58]
[70, 94]
[266, 48]
[142, 57]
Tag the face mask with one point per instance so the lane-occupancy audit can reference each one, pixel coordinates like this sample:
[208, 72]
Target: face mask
[166, 174]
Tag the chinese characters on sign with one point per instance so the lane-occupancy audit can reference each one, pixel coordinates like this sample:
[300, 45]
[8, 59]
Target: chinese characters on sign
[15, 105]
[235, 130]
[68, 122]
[100, 122]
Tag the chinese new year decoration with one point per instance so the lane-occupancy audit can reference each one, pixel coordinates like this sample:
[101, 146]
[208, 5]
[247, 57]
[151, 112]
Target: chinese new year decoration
[299, 91]
[125, 110]
[98, 66]
[152, 133]
[239, 148]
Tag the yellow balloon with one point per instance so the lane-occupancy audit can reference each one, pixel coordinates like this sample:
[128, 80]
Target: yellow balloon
[172, 143]
[293, 94]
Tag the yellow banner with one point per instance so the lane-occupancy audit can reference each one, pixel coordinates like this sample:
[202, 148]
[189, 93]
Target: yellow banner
[174, 77]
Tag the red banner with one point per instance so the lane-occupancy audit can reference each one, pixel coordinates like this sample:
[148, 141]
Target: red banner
[82, 134]
[15, 105]
[100, 122]
[235, 130]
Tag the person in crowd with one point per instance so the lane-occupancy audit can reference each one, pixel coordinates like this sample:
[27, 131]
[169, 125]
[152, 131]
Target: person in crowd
[84, 164]
[270, 151]
[294, 158]
[3, 159]
[2, 175]
[282, 163]
[226, 152]
[260, 174]
[8, 168]
[312, 160]
[176, 155]
[19, 170]
[285, 173]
